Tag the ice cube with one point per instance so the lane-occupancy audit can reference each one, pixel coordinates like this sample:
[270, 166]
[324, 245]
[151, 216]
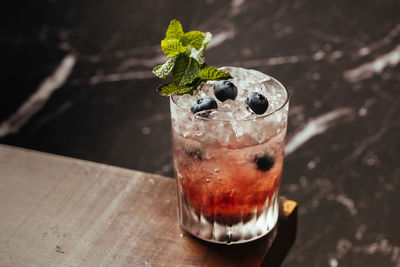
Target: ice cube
[226, 106]
[233, 119]
[207, 89]
[256, 76]
[219, 115]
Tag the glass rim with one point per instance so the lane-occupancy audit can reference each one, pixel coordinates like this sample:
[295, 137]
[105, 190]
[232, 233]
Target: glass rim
[199, 117]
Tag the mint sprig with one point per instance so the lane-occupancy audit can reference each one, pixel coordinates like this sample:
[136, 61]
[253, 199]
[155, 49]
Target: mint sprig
[186, 61]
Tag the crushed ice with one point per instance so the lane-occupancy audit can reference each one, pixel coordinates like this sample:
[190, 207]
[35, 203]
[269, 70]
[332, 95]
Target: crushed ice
[236, 113]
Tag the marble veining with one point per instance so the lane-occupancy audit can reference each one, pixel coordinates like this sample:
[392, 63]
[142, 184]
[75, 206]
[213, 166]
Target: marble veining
[377, 136]
[39, 98]
[376, 66]
[315, 127]
[386, 40]
[117, 77]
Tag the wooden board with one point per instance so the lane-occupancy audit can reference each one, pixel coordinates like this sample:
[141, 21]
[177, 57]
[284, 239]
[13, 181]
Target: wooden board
[59, 211]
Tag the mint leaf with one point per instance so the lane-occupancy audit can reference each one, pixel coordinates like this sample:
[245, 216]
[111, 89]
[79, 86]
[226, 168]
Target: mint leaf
[212, 73]
[198, 54]
[174, 30]
[172, 48]
[207, 39]
[193, 38]
[173, 88]
[163, 70]
[167, 89]
[196, 82]
[185, 70]
[186, 63]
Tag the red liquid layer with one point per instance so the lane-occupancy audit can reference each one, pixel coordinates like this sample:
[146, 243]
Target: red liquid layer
[226, 188]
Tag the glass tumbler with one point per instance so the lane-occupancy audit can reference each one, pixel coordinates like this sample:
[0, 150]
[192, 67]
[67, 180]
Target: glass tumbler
[228, 170]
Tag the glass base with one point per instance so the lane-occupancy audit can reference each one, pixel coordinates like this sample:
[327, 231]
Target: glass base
[260, 223]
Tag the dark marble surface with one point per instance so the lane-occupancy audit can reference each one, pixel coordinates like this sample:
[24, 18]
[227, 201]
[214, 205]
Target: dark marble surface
[76, 81]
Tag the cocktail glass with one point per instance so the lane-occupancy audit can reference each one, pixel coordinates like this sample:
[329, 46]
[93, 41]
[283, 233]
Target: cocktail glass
[228, 168]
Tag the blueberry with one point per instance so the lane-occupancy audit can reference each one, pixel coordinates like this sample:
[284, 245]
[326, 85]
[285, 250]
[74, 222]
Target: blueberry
[264, 163]
[224, 90]
[204, 103]
[257, 102]
[195, 154]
